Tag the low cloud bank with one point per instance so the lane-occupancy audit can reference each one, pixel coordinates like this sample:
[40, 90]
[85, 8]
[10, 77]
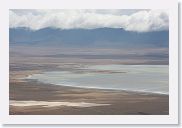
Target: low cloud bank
[130, 20]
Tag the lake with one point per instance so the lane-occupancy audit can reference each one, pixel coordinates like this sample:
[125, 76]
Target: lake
[142, 78]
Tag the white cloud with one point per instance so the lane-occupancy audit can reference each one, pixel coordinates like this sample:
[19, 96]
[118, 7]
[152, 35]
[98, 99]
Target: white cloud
[131, 20]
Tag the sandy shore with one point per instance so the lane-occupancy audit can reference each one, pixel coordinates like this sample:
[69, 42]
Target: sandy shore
[34, 98]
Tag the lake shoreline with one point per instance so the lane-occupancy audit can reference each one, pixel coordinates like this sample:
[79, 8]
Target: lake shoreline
[97, 88]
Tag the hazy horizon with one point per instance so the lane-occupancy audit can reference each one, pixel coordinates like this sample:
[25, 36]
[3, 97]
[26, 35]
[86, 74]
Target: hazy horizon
[125, 35]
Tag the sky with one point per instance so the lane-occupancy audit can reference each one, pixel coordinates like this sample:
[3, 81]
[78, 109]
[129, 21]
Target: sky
[130, 20]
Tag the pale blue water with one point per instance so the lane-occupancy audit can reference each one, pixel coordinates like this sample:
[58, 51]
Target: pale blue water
[144, 78]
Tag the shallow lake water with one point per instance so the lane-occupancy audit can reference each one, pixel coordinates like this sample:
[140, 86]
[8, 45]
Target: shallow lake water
[144, 78]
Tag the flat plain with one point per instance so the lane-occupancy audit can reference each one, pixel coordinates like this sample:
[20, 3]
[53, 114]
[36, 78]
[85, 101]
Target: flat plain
[31, 97]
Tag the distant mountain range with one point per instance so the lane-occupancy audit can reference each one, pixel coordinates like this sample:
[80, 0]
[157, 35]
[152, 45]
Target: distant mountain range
[100, 37]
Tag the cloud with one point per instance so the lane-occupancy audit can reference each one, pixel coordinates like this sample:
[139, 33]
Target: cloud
[131, 20]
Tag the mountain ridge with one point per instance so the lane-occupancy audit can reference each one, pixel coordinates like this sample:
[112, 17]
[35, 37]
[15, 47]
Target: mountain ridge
[100, 37]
